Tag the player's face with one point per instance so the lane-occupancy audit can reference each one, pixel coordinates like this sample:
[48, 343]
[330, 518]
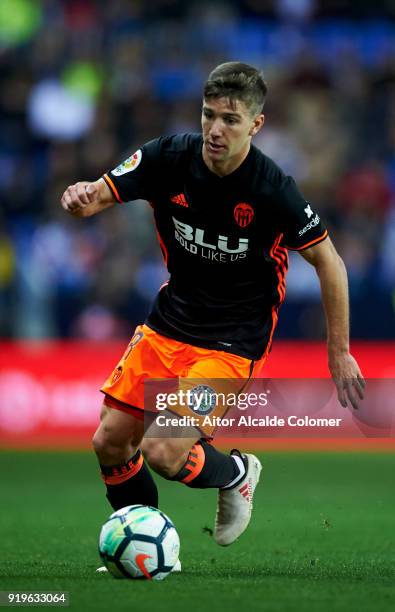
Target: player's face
[227, 127]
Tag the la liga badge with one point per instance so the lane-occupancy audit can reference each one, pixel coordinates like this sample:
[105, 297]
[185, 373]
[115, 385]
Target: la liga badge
[129, 164]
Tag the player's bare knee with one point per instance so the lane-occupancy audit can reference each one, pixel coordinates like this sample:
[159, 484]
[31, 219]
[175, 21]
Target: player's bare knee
[99, 443]
[108, 451]
[163, 456]
[117, 438]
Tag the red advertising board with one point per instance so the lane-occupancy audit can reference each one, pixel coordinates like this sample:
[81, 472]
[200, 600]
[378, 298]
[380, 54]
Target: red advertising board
[49, 391]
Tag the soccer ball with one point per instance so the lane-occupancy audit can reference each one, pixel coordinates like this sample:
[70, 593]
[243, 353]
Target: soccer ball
[139, 542]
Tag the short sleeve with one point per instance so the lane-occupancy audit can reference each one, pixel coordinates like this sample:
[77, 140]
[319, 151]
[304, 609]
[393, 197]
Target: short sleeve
[132, 179]
[301, 224]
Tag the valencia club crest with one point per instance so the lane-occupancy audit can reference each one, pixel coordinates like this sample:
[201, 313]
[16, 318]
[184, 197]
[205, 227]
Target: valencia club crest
[243, 213]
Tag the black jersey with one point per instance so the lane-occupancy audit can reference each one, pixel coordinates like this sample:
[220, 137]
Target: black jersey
[224, 241]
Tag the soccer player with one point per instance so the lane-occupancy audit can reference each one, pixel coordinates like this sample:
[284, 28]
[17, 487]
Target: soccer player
[225, 216]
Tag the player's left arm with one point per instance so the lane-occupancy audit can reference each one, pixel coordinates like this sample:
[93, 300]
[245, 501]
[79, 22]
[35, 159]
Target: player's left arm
[334, 291]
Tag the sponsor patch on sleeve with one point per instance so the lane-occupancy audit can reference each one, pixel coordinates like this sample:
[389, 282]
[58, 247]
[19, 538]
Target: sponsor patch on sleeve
[129, 164]
[315, 221]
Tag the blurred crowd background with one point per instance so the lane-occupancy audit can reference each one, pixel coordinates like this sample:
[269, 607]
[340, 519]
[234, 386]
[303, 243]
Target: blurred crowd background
[84, 83]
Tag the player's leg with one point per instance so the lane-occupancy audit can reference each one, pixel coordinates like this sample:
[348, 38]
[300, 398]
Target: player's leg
[126, 476]
[118, 437]
[117, 440]
[192, 461]
[198, 464]
[235, 498]
[235, 501]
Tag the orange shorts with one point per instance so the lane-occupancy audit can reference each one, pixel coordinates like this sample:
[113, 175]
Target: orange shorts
[152, 356]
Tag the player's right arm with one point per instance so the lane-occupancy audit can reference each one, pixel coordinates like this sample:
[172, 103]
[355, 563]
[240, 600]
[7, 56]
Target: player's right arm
[85, 199]
[130, 180]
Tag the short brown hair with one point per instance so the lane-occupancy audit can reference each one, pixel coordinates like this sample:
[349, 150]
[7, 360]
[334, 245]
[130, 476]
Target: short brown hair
[237, 81]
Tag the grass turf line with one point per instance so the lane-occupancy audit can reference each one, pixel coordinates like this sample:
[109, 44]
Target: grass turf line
[322, 537]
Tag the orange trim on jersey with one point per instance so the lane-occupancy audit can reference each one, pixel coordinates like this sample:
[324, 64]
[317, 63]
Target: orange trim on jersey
[324, 235]
[161, 243]
[283, 255]
[112, 187]
[195, 463]
[125, 472]
[274, 325]
[281, 258]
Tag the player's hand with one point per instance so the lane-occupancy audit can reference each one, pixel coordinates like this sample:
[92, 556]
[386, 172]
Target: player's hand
[77, 197]
[348, 379]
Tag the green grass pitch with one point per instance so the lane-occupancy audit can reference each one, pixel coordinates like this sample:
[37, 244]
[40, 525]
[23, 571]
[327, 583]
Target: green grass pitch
[322, 537]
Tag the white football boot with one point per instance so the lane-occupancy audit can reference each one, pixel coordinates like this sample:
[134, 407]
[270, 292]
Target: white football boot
[234, 506]
[176, 568]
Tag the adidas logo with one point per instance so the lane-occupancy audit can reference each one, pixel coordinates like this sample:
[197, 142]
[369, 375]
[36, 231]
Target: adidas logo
[246, 491]
[180, 199]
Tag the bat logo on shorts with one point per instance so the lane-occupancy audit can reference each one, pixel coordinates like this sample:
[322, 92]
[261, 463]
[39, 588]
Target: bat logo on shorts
[116, 374]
